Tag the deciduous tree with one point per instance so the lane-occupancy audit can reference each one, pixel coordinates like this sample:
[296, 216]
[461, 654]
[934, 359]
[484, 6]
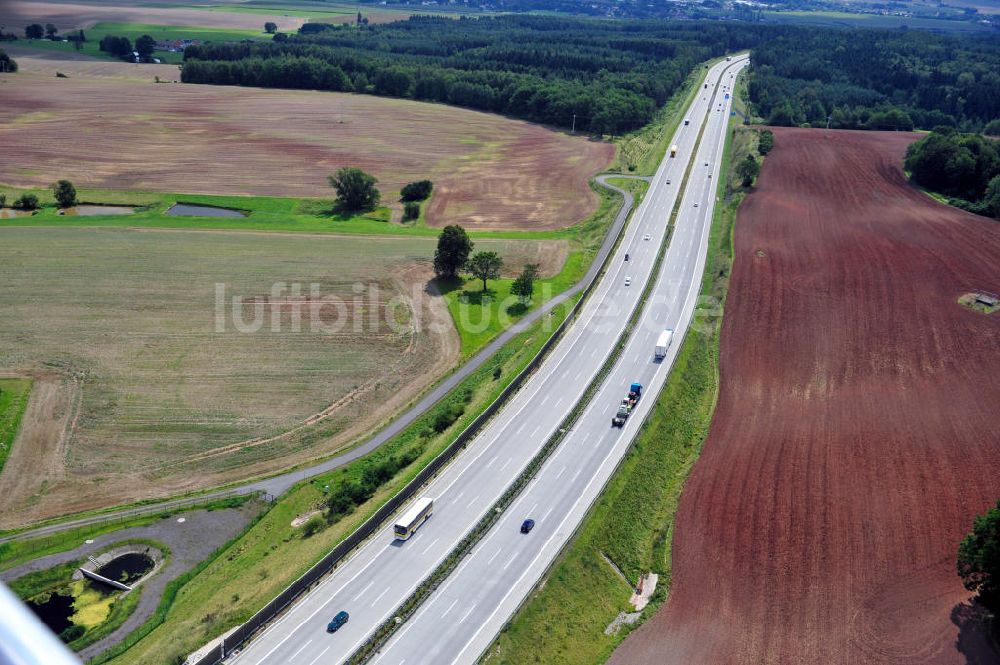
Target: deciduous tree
[411, 210]
[26, 202]
[416, 191]
[7, 63]
[34, 31]
[524, 286]
[484, 266]
[747, 170]
[453, 249]
[65, 193]
[979, 559]
[270, 27]
[766, 142]
[145, 46]
[356, 189]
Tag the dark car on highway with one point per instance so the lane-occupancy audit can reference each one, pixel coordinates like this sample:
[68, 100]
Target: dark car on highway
[527, 525]
[337, 621]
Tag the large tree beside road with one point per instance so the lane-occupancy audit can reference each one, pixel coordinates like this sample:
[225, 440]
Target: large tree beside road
[453, 249]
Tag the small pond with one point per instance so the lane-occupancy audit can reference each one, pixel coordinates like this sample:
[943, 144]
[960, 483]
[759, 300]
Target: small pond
[7, 213]
[188, 210]
[54, 611]
[88, 210]
[127, 568]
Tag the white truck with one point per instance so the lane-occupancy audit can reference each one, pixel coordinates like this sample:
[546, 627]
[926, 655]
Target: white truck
[663, 343]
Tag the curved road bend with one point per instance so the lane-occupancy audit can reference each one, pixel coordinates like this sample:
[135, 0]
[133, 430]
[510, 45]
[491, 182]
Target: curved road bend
[278, 484]
[382, 572]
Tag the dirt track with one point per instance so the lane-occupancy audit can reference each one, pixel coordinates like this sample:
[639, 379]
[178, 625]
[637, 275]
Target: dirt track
[855, 436]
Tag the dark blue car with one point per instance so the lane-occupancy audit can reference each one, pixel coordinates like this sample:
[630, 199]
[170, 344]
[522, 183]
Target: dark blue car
[337, 622]
[527, 525]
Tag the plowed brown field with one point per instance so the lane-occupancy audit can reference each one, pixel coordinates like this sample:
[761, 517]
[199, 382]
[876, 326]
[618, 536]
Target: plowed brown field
[489, 172]
[856, 433]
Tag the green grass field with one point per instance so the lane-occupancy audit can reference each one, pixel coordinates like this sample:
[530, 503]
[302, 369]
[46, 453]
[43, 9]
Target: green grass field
[264, 213]
[563, 621]
[13, 401]
[480, 317]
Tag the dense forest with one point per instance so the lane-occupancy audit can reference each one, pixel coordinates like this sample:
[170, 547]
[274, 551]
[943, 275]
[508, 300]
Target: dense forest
[610, 76]
[877, 79]
[963, 167]
[605, 76]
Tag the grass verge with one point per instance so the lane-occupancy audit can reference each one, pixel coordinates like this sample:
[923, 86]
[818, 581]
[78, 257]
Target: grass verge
[564, 619]
[13, 401]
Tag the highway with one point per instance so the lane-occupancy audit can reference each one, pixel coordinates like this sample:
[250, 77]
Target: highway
[464, 615]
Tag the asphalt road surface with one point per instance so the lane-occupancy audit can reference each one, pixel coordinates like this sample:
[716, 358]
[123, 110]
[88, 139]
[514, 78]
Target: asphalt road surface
[461, 619]
[464, 615]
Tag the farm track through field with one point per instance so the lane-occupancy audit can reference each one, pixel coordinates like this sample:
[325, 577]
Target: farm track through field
[853, 441]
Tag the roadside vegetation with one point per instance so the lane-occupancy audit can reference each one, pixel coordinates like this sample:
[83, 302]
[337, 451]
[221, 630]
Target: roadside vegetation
[631, 523]
[13, 401]
[480, 315]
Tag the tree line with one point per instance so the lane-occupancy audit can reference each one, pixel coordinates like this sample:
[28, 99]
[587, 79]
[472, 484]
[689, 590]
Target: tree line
[610, 77]
[876, 79]
[597, 76]
[963, 167]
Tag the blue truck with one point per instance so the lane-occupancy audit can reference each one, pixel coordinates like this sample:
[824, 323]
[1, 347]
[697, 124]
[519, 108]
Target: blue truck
[628, 403]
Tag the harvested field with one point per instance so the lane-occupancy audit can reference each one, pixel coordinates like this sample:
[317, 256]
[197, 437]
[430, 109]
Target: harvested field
[855, 435]
[71, 15]
[137, 393]
[489, 172]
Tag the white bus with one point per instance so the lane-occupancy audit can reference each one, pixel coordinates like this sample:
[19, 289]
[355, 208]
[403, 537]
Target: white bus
[411, 520]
